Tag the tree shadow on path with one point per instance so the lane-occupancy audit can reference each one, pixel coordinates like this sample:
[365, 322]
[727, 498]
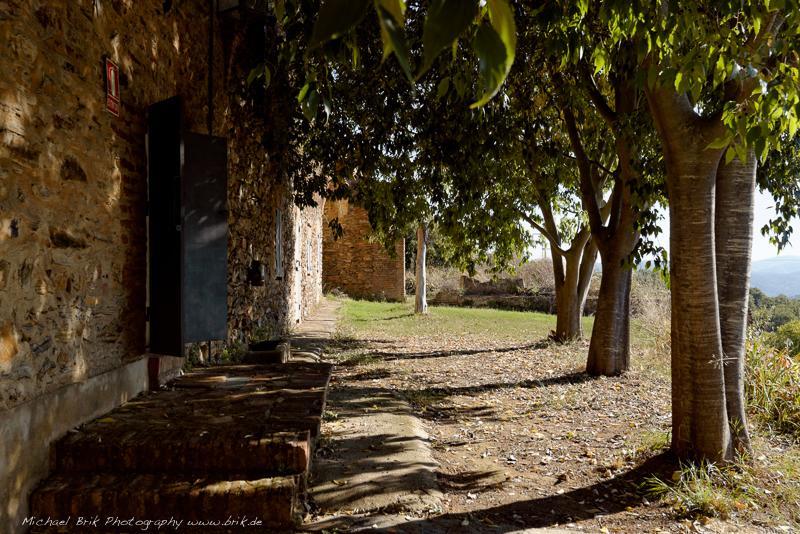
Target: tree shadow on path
[610, 496]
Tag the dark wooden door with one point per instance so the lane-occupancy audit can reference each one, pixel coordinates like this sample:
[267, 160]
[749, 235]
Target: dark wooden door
[188, 232]
[205, 229]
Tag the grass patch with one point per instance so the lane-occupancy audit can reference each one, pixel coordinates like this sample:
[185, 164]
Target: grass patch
[764, 489]
[653, 441]
[704, 490]
[396, 320]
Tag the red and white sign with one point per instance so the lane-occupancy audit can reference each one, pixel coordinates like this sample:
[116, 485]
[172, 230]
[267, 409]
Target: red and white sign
[112, 87]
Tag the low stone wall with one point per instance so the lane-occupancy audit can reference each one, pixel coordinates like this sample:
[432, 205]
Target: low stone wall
[538, 302]
[501, 286]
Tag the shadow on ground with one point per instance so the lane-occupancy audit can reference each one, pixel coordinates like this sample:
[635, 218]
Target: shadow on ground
[611, 496]
[374, 456]
[355, 400]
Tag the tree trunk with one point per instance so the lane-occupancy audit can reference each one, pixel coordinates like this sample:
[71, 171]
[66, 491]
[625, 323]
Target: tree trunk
[700, 427]
[735, 203]
[700, 421]
[569, 307]
[572, 291]
[421, 302]
[609, 349]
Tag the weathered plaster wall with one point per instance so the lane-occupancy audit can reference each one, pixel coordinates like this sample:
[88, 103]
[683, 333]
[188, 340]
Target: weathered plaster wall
[356, 266]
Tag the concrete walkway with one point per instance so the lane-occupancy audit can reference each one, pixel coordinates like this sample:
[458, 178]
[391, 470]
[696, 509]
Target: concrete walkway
[380, 461]
[376, 472]
[310, 338]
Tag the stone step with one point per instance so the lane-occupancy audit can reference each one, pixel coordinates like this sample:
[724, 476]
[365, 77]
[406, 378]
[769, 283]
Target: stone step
[216, 444]
[207, 451]
[272, 501]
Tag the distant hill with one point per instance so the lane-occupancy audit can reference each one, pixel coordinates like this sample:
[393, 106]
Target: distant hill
[778, 276]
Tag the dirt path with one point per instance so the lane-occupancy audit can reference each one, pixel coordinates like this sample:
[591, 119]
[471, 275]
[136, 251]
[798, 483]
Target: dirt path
[522, 440]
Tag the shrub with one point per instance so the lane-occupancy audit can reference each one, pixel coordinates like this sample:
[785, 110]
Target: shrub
[650, 298]
[770, 313]
[787, 337]
[773, 387]
[538, 274]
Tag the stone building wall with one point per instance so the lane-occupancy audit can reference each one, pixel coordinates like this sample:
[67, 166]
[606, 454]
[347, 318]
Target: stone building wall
[354, 265]
[306, 275]
[73, 187]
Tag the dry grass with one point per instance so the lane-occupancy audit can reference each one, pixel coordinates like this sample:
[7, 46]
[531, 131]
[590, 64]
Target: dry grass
[773, 388]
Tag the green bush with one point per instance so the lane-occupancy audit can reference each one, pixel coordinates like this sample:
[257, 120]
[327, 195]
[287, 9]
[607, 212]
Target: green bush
[787, 337]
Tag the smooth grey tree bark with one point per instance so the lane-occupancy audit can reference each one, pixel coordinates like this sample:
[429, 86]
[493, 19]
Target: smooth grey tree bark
[609, 348]
[573, 274]
[420, 301]
[572, 271]
[734, 209]
[711, 211]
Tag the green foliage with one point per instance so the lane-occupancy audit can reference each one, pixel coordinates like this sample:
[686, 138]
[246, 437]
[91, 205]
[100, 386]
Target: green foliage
[336, 18]
[772, 387]
[495, 44]
[445, 21]
[391, 14]
[260, 72]
[263, 333]
[767, 314]
[788, 337]
[780, 176]
[233, 352]
[733, 60]
[439, 251]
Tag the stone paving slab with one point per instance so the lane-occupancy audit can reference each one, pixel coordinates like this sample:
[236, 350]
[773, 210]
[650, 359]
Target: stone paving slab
[382, 462]
[310, 338]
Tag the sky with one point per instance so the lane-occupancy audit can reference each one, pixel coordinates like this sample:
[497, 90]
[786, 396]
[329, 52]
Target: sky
[762, 248]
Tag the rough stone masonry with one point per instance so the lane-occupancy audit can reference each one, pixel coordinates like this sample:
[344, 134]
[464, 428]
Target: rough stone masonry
[73, 183]
[73, 187]
[356, 266]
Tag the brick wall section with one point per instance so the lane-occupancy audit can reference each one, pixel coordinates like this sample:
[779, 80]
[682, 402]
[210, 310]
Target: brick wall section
[73, 185]
[356, 266]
